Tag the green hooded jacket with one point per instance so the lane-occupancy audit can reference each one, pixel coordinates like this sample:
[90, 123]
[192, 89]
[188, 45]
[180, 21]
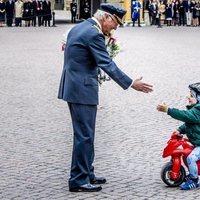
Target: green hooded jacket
[191, 117]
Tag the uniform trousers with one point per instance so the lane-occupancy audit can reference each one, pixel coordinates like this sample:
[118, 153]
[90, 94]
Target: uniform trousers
[83, 121]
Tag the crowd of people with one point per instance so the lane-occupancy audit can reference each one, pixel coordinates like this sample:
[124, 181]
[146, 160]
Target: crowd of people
[85, 10]
[36, 12]
[174, 12]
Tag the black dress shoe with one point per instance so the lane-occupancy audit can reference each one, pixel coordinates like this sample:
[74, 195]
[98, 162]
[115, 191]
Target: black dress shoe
[98, 180]
[86, 188]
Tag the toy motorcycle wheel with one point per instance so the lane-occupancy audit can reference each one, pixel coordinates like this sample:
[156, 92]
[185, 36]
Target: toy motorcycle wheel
[165, 175]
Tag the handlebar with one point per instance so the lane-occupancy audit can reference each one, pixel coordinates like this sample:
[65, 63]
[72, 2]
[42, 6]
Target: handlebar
[175, 135]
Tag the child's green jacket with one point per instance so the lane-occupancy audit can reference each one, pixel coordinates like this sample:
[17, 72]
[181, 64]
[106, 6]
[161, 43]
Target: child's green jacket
[191, 117]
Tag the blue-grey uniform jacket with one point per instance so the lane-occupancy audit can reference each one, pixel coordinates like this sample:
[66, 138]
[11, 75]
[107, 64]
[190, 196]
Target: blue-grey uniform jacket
[85, 52]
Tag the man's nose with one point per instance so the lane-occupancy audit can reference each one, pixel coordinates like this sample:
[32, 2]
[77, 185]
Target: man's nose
[116, 26]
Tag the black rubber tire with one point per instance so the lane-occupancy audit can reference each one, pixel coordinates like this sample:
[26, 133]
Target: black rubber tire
[166, 169]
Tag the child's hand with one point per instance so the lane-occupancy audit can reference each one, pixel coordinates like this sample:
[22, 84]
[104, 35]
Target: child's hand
[176, 132]
[162, 107]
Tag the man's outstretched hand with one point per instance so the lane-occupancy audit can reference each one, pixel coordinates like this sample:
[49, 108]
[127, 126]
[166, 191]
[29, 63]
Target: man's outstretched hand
[141, 86]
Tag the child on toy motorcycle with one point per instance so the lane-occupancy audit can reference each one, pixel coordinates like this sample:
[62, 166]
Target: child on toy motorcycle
[191, 127]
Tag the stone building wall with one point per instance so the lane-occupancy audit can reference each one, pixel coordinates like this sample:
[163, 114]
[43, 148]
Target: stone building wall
[67, 4]
[116, 2]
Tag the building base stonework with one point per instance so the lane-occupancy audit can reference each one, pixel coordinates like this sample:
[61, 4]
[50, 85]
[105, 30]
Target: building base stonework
[94, 5]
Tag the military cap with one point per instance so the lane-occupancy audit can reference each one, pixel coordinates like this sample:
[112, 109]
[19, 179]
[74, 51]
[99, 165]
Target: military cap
[117, 12]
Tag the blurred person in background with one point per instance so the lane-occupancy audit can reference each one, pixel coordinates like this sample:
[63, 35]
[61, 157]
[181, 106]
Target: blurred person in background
[73, 9]
[154, 11]
[198, 12]
[18, 12]
[27, 12]
[2, 12]
[135, 12]
[47, 12]
[10, 5]
[161, 12]
[169, 13]
[182, 14]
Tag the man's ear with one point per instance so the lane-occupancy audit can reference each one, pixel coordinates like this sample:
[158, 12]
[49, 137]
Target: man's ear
[105, 16]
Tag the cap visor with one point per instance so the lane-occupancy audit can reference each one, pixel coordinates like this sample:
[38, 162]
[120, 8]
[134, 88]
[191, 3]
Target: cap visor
[118, 19]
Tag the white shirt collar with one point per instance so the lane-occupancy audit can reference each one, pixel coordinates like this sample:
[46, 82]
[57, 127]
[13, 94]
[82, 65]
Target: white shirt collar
[97, 22]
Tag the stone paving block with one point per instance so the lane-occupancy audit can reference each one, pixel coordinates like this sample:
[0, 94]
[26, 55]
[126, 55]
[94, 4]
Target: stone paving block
[35, 127]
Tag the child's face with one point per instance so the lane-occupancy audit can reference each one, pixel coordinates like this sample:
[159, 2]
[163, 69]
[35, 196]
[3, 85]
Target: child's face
[191, 100]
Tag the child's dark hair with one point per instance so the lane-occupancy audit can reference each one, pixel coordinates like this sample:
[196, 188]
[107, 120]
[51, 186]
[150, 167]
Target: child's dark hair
[195, 89]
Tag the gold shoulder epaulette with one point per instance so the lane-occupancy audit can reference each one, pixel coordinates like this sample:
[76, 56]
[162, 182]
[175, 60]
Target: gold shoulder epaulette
[100, 31]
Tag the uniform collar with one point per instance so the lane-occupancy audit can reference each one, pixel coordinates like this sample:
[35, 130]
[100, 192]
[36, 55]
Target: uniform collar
[93, 18]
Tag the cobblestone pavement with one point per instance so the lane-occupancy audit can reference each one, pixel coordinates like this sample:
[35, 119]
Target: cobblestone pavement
[35, 127]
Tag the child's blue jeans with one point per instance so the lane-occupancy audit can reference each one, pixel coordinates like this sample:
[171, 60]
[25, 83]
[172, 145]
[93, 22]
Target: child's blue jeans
[193, 157]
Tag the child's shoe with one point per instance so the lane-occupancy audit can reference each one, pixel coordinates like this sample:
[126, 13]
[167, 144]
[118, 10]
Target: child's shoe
[190, 184]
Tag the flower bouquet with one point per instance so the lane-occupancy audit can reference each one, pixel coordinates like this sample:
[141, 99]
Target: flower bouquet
[113, 47]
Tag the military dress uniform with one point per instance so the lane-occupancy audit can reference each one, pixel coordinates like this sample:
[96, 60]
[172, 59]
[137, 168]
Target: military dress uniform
[79, 87]
[135, 11]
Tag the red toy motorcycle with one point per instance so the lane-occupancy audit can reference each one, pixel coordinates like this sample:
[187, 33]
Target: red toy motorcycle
[173, 173]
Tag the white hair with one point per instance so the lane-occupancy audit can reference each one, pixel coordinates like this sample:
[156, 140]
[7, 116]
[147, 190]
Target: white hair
[100, 14]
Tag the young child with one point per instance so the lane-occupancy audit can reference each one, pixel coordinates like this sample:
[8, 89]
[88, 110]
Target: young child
[191, 127]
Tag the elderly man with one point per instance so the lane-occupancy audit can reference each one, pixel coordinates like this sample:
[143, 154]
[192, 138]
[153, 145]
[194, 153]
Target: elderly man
[85, 52]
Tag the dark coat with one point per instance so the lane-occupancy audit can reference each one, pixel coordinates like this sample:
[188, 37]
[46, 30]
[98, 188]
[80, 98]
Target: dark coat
[191, 117]
[73, 8]
[168, 11]
[86, 11]
[193, 10]
[2, 14]
[27, 13]
[188, 6]
[10, 10]
[85, 53]
[153, 9]
[181, 8]
[37, 8]
[47, 10]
